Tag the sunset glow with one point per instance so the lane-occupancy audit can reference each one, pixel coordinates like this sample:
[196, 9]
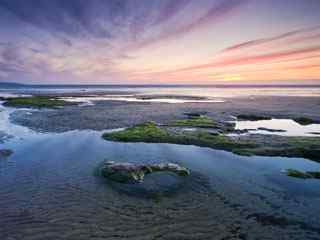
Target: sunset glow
[160, 41]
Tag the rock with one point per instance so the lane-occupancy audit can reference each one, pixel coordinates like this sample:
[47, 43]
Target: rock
[4, 153]
[250, 117]
[304, 175]
[271, 130]
[240, 131]
[133, 173]
[314, 133]
[194, 114]
[305, 121]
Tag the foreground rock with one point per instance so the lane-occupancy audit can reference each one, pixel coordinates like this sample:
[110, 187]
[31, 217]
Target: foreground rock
[4, 153]
[133, 173]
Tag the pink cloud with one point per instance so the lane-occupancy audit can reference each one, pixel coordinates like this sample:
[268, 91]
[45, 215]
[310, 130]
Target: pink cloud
[215, 13]
[290, 37]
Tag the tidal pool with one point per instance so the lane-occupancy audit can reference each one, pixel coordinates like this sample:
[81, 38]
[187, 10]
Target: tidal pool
[288, 127]
[49, 190]
[87, 101]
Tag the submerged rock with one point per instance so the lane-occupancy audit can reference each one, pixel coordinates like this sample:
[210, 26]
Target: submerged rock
[134, 173]
[4, 153]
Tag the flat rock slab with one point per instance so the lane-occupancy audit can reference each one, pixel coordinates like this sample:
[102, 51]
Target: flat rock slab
[134, 173]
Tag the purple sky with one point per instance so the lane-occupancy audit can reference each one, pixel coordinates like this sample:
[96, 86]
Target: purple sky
[160, 41]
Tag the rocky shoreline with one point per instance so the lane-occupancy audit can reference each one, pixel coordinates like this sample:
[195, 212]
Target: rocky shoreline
[117, 114]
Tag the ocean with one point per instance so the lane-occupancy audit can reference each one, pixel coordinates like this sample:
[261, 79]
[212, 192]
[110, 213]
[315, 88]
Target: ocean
[212, 91]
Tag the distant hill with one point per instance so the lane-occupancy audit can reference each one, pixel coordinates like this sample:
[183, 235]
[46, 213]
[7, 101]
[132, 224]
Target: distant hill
[11, 85]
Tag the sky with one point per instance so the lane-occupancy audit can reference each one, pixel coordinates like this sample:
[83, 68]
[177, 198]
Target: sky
[160, 41]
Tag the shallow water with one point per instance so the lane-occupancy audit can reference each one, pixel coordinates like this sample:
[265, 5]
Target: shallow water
[87, 101]
[290, 127]
[204, 91]
[49, 190]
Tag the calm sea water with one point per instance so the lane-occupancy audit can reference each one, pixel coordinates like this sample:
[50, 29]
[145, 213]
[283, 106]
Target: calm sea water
[207, 91]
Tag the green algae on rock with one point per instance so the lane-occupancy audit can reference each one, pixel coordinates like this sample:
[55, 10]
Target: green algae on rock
[145, 132]
[195, 121]
[150, 132]
[305, 121]
[36, 102]
[253, 145]
[304, 175]
[132, 173]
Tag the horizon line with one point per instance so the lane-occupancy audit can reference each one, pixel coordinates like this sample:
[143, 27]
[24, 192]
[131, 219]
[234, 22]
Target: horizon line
[162, 85]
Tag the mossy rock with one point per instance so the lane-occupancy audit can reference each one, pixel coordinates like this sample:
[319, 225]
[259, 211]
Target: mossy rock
[36, 102]
[195, 121]
[303, 175]
[133, 173]
[305, 121]
[150, 132]
[304, 147]
[145, 132]
[314, 174]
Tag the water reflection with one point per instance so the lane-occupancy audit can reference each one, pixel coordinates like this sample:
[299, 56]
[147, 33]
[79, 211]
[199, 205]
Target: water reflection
[288, 127]
[87, 101]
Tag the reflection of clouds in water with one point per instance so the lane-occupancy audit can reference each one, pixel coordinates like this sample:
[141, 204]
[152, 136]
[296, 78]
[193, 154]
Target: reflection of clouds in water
[4, 136]
[12, 95]
[88, 101]
[290, 127]
[10, 128]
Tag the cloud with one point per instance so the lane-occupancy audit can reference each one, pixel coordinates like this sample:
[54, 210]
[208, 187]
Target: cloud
[257, 55]
[217, 12]
[301, 35]
[87, 37]
[70, 17]
[125, 38]
[114, 19]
